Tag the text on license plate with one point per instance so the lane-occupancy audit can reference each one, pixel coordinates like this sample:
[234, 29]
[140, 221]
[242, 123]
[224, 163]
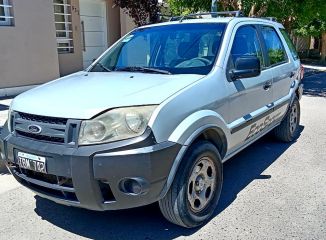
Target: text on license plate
[31, 162]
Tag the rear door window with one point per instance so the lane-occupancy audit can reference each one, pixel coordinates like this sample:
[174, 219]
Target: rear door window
[275, 49]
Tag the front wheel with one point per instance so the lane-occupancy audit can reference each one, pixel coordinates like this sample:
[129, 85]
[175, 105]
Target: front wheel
[196, 189]
[288, 130]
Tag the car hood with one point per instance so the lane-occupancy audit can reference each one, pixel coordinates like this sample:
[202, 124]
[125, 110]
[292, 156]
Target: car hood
[85, 94]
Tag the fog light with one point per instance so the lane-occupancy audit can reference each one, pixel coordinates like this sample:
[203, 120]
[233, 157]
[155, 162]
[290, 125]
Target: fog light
[134, 186]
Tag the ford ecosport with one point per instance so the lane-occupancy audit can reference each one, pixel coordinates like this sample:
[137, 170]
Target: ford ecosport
[156, 115]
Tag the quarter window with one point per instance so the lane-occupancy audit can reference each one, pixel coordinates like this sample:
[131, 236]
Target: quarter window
[290, 44]
[246, 43]
[275, 49]
[63, 26]
[6, 18]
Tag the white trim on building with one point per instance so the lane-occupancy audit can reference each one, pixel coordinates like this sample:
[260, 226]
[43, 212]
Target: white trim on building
[63, 25]
[6, 18]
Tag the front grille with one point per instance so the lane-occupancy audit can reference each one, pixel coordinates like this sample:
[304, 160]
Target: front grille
[52, 129]
[43, 119]
[64, 186]
[41, 137]
[53, 193]
[48, 178]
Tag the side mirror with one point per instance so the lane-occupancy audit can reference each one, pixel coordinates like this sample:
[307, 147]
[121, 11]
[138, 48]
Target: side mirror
[245, 67]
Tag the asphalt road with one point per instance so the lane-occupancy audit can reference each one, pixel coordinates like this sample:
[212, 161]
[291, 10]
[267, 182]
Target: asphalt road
[271, 190]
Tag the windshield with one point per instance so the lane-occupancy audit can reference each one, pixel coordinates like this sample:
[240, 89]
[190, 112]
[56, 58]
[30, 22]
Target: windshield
[170, 49]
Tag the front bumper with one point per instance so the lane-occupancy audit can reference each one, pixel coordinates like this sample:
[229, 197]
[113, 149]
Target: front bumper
[90, 176]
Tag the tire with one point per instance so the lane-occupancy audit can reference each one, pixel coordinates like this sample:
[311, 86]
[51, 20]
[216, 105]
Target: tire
[182, 205]
[288, 130]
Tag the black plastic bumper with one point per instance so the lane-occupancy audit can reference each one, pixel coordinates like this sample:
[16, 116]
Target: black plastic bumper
[90, 177]
[300, 91]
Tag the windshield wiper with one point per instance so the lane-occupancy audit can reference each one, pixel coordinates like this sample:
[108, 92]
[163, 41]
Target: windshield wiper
[143, 69]
[103, 67]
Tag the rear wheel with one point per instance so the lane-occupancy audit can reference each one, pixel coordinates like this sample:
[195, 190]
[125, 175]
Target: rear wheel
[196, 189]
[288, 130]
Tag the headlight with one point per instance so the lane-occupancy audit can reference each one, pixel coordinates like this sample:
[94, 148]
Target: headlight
[117, 124]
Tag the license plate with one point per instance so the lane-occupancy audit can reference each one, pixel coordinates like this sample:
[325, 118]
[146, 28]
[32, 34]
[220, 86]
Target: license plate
[31, 162]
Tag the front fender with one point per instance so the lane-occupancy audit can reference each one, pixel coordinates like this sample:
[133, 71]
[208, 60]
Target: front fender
[187, 131]
[196, 123]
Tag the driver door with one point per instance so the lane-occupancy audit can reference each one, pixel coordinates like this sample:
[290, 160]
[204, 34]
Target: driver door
[249, 96]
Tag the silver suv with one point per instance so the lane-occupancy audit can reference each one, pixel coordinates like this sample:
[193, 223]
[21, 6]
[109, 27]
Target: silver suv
[154, 118]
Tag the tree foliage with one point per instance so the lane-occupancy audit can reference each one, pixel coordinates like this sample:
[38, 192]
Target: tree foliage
[141, 11]
[305, 17]
[180, 7]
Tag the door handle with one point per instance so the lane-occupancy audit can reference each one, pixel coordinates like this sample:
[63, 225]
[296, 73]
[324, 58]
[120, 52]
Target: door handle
[267, 85]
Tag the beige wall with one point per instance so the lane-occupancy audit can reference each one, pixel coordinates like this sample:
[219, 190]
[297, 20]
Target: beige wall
[127, 23]
[73, 62]
[28, 53]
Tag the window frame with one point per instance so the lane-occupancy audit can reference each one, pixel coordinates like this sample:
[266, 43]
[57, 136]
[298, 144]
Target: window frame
[68, 31]
[7, 6]
[268, 63]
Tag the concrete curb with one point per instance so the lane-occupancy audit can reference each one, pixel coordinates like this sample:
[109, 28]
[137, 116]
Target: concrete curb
[14, 91]
[318, 68]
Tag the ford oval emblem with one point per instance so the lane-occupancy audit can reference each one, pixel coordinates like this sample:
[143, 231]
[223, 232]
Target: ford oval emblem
[34, 129]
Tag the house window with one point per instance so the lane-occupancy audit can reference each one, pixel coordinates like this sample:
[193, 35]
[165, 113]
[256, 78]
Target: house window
[6, 18]
[63, 26]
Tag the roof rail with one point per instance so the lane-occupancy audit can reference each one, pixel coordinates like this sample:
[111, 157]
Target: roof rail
[213, 14]
[273, 19]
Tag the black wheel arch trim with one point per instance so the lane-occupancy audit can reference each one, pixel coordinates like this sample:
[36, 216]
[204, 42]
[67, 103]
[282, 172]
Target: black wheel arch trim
[192, 139]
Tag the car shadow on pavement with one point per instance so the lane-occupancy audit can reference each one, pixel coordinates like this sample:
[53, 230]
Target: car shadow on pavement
[248, 166]
[315, 85]
[147, 222]
[137, 223]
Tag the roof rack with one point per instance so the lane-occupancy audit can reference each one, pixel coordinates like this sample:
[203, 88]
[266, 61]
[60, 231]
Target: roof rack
[273, 19]
[213, 14]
